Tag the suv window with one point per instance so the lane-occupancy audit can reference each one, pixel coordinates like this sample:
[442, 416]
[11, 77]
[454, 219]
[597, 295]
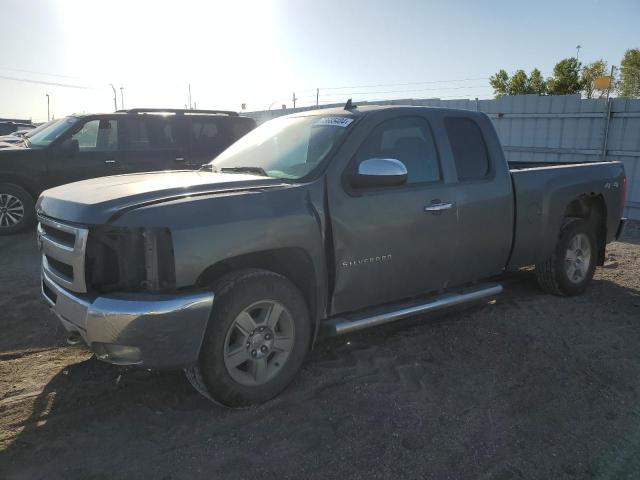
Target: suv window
[206, 136]
[468, 147]
[408, 139]
[97, 134]
[149, 132]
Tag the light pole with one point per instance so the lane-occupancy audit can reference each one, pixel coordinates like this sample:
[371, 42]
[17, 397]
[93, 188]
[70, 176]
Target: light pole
[122, 98]
[47, 107]
[115, 98]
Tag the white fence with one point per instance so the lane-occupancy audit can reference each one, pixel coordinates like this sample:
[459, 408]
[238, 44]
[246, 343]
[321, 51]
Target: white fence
[562, 128]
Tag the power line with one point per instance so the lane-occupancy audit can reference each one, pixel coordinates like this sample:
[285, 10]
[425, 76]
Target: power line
[37, 73]
[42, 82]
[406, 83]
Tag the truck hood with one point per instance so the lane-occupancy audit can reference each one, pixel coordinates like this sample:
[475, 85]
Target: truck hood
[98, 200]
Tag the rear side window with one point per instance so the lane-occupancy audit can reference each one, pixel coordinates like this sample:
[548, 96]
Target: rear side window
[469, 149]
[149, 132]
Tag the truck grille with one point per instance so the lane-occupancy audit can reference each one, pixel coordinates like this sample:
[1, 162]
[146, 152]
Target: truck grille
[63, 253]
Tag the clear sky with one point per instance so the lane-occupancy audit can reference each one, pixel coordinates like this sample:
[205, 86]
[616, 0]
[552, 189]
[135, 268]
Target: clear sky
[259, 52]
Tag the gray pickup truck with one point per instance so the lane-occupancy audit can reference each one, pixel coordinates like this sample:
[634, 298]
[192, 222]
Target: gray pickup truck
[319, 223]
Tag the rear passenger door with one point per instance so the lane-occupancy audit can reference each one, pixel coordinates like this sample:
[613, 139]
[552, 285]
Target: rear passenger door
[484, 198]
[151, 143]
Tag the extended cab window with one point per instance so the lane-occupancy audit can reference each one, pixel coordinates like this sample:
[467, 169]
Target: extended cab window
[469, 149]
[408, 139]
[99, 135]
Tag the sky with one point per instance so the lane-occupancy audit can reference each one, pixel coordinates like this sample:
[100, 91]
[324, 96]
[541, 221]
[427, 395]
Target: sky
[260, 52]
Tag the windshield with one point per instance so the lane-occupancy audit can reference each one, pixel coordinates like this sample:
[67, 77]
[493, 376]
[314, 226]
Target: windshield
[49, 134]
[39, 128]
[288, 147]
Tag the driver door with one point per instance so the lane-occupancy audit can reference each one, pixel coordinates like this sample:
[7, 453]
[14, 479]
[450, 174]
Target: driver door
[389, 243]
[97, 153]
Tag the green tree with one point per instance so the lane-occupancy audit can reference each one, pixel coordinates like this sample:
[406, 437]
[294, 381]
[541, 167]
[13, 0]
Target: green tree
[500, 83]
[589, 73]
[518, 84]
[566, 77]
[537, 83]
[629, 85]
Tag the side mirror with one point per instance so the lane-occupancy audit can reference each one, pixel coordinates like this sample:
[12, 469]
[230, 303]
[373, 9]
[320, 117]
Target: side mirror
[379, 172]
[70, 146]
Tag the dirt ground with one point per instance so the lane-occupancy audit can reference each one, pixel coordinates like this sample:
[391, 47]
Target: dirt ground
[529, 386]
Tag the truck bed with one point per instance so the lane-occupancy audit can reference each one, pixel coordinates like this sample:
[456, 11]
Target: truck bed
[542, 193]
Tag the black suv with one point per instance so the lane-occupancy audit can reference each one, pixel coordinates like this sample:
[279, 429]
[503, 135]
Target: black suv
[87, 146]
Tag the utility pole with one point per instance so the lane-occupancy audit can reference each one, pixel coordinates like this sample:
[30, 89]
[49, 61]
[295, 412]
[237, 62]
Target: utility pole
[189, 96]
[294, 99]
[47, 107]
[613, 69]
[317, 96]
[122, 98]
[578, 47]
[115, 98]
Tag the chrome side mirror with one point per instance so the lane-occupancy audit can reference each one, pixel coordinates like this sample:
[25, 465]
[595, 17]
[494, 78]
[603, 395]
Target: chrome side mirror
[379, 172]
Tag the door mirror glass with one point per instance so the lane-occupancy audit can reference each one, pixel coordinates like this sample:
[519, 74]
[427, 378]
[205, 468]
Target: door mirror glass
[379, 172]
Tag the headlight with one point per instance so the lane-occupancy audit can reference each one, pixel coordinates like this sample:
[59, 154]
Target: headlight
[129, 259]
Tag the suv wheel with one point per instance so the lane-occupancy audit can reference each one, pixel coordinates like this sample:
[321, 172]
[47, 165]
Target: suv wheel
[256, 341]
[16, 209]
[570, 270]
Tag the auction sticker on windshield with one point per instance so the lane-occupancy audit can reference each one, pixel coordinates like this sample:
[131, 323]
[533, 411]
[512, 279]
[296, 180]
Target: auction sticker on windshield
[334, 121]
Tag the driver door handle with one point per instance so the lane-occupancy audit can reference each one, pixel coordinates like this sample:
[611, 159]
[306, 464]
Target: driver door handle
[110, 161]
[179, 159]
[438, 207]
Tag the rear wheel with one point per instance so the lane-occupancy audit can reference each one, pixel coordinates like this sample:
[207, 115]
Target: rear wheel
[17, 209]
[256, 341]
[570, 270]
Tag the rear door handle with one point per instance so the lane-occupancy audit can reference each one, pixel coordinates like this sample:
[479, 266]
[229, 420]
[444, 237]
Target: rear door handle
[110, 161]
[437, 207]
[179, 159]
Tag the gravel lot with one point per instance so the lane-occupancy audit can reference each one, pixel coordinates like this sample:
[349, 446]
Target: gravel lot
[529, 386]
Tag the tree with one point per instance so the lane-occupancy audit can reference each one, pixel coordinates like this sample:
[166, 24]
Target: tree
[589, 73]
[518, 84]
[500, 83]
[537, 83]
[629, 85]
[566, 77]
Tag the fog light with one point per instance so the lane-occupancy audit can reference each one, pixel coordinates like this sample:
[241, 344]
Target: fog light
[117, 354]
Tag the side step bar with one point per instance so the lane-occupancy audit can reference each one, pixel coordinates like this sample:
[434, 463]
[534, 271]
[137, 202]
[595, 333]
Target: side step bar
[342, 325]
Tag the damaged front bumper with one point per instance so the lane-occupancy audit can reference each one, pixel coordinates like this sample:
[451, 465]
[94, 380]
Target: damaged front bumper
[150, 330]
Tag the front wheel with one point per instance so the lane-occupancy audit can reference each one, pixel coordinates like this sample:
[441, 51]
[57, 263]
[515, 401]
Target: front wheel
[570, 270]
[17, 209]
[256, 341]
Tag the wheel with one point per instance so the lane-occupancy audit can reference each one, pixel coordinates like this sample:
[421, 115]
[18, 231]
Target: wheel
[570, 270]
[17, 209]
[257, 338]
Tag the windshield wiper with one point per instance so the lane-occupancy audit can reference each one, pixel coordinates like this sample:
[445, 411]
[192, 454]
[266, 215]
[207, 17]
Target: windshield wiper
[254, 170]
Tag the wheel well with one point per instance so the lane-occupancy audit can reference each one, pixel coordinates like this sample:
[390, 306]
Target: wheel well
[292, 263]
[20, 182]
[593, 209]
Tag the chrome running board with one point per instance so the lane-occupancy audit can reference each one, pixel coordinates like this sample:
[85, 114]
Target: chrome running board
[345, 324]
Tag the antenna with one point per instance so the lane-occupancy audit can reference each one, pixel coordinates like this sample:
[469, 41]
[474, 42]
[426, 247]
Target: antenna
[349, 105]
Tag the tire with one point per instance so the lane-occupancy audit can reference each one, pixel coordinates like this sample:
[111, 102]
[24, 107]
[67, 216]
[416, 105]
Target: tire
[17, 209]
[256, 341]
[556, 275]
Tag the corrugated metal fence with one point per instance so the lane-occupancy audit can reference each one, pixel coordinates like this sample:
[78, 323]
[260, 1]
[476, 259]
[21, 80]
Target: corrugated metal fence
[563, 128]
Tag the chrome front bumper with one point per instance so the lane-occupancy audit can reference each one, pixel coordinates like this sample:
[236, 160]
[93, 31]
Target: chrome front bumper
[154, 331]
